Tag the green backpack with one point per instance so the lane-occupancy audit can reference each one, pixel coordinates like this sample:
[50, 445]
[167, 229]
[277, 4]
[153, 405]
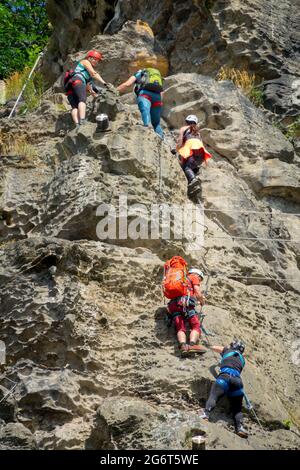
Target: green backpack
[152, 80]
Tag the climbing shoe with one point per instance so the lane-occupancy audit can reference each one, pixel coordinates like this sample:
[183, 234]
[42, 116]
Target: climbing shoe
[242, 432]
[205, 415]
[184, 349]
[196, 348]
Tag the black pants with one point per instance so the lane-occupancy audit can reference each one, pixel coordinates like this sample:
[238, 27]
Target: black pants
[78, 95]
[191, 167]
[235, 383]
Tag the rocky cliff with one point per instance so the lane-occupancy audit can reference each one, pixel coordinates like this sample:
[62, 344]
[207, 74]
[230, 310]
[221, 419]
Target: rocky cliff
[90, 359]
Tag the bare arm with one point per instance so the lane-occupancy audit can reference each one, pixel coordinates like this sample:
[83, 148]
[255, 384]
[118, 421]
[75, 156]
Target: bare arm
[95, 75]
[217, 349]
[199, 296]
[131, 80]
[180, 137]
[90, 90]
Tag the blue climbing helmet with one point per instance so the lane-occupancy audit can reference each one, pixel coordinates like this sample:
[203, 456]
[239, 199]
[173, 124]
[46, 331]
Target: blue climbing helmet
[238, 345]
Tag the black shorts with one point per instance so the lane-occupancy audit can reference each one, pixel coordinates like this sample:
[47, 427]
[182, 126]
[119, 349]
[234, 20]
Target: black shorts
[78, 94]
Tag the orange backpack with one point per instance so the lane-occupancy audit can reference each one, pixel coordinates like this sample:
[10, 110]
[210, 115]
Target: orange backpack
[175, 281]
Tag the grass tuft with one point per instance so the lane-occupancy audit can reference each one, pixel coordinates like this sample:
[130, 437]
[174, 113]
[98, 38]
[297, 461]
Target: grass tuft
[11, 146]
[33, 91]
[245, 81]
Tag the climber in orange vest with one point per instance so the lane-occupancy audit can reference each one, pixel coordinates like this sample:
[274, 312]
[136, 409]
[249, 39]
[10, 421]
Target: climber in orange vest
[182, 287]
[191, 149]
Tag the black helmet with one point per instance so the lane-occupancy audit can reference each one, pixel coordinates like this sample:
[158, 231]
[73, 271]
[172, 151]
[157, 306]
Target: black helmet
[238, 345]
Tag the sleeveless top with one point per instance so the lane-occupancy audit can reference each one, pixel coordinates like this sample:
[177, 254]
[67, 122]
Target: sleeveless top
[82, 72]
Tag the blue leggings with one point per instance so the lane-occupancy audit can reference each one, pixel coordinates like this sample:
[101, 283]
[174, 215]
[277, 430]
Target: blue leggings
[150, 109]
[233, 388]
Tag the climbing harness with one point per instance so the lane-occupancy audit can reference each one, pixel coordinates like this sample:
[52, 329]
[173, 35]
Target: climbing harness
[207, 334]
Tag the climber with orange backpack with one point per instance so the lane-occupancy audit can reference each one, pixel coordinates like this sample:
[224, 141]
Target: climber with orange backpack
[190, 148]
[182, 287]
[79, 81]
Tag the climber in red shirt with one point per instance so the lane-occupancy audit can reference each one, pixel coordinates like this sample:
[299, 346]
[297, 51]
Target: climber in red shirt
[182, 309]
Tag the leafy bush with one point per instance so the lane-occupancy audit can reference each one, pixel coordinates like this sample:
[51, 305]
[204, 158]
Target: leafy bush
[24, 32]
[244, 80]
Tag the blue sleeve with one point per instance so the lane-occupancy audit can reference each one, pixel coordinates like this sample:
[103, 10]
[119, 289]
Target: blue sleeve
[138, 75]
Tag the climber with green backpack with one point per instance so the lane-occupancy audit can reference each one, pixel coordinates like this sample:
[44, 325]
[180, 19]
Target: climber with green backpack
[229, 383]
[182, 287]
[148, 87]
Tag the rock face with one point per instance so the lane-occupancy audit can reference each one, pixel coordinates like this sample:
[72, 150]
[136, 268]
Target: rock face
[90, 360]
[74, 24]
[127, 51]
[198, 36]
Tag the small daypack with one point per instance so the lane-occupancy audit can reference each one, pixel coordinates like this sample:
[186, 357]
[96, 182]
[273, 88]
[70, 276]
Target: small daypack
[67, 79]
[175, 281]
[152, 80]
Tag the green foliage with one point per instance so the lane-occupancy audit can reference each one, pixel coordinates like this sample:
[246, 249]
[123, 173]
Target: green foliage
[287, 424]
[292, 131]
[61, 108]
[33, 92]
[24, 31]
[256, 96]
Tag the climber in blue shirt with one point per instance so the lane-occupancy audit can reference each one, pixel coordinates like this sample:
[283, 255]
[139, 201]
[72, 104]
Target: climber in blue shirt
[148, 88]
[229, 383]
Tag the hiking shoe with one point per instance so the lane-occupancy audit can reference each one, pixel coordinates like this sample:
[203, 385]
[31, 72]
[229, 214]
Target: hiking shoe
[82, 122]
[196, 348]
[184, 349]
[193, 182]
[242, 432]
[204, 415]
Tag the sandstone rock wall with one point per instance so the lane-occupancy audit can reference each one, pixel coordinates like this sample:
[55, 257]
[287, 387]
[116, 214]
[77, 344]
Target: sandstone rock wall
[196, 36]
[88, 349]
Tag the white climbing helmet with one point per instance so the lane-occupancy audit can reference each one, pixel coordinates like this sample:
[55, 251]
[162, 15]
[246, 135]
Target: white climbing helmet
[196, 271]
[192, 119]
